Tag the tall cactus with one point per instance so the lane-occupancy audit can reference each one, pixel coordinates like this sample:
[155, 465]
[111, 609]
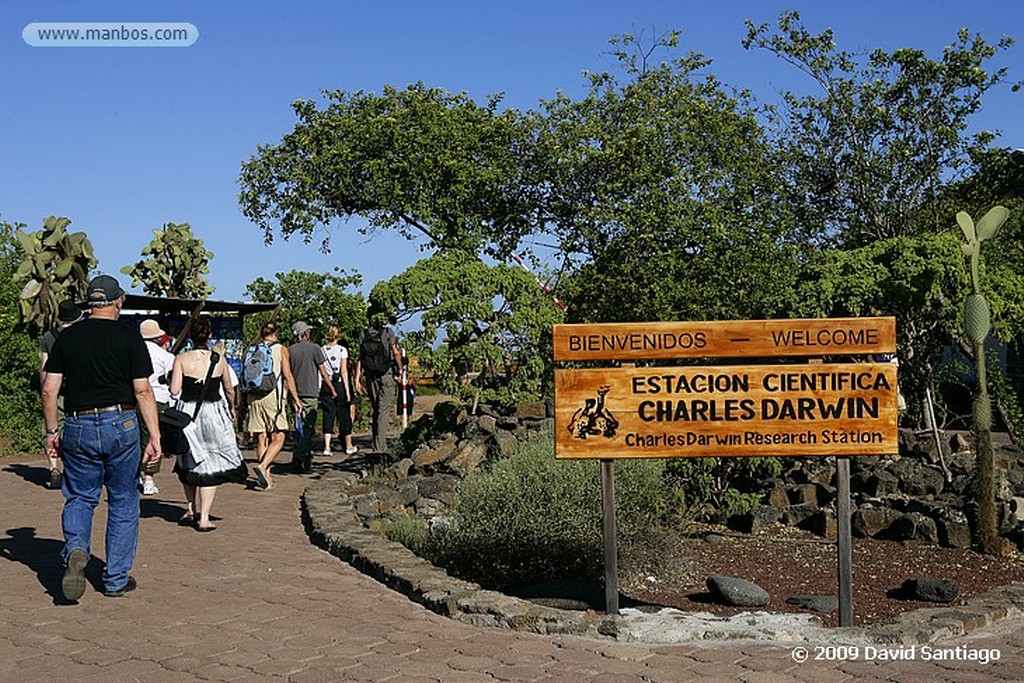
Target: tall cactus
[977, 323]
[56, 266]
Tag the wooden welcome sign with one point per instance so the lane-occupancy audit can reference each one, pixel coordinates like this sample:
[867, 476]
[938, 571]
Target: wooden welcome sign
[744, 410]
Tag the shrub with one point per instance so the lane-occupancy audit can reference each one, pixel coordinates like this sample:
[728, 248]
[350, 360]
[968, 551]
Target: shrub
[409, 531]
[21, 418]
[531, 518]
[726, 485]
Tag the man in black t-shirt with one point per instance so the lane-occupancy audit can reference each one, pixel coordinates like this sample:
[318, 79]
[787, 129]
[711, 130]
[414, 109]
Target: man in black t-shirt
[104, 368]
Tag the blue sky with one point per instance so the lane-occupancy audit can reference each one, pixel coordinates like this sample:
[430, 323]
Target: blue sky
[123, 140]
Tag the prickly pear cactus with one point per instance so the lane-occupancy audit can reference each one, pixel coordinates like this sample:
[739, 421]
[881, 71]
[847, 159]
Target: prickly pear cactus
[977, 324]
[174, 264]
[55, 266]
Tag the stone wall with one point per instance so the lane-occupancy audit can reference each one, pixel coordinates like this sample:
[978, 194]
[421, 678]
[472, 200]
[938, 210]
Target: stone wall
[424, 482]
[915, 496]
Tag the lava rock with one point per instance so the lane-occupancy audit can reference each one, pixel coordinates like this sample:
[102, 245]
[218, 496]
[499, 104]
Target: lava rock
[930, 590]
[815, 603]
[738, 592]
[913, 527]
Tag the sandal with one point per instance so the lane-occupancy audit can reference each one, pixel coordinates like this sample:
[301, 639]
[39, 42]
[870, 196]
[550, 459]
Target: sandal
[261, 476]
[187, 520]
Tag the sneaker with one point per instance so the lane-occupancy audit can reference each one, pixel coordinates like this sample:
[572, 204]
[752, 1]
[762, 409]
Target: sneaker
[327, 453]
[149, 488]
[118, 592]
[55, 476]
[352, 451]
[73, 583]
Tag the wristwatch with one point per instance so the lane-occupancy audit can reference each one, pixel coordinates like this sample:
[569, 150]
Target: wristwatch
[51, 431]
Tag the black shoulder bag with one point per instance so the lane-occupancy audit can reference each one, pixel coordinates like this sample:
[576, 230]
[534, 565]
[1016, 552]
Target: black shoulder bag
[173, 421]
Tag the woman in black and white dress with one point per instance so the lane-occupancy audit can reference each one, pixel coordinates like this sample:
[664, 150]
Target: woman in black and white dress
[214, 456]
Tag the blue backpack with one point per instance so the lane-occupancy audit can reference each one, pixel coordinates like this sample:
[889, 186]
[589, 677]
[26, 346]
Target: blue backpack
[258, 369]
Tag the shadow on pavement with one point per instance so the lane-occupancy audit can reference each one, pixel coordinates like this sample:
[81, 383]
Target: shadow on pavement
[169, 512]
[40, 476]
[42, 556]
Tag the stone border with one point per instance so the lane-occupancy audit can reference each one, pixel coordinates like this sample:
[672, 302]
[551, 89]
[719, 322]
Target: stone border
[332, 524]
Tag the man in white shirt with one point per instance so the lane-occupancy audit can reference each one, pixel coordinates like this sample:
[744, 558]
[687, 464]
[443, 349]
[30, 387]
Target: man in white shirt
[157, 343]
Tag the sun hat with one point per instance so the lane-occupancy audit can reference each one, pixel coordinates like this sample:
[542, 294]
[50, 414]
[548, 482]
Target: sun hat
[68, 312]
[150, 330]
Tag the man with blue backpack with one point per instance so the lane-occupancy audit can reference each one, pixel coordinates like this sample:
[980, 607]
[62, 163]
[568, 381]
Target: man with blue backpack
[268, 382]
[381, 363]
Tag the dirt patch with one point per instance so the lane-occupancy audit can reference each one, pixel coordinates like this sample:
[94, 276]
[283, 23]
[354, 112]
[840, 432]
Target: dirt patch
[787, 562]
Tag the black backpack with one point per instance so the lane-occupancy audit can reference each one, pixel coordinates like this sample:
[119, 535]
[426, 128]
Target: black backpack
[374, 353]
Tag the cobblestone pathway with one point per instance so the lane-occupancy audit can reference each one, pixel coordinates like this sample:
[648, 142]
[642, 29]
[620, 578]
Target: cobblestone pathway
[255, 601]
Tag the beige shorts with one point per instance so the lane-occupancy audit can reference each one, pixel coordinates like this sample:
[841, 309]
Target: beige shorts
[267, 414]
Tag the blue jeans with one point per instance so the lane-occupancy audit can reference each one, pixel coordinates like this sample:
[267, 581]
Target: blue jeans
[102, 450]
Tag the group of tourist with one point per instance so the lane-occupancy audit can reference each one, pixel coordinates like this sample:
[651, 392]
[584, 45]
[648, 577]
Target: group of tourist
[105, 387]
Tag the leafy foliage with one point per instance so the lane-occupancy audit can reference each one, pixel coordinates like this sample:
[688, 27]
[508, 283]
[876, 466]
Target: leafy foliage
[716, 483]
[173, 264]
[667, 195]
[55, 267]
[320, 299]
[496, 322]
[868, 157]
[532, 518]
[913, 279]
[661, 190]
[20, 416]
[419, 160]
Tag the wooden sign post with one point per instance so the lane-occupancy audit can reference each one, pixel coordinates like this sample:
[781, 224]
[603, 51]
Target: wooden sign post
[729, 410]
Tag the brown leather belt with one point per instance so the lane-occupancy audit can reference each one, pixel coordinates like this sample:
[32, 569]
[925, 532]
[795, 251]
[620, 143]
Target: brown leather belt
[105, 409]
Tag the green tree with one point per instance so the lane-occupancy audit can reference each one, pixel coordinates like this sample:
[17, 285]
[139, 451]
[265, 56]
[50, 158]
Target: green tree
[661, 194]
[419, 160]
[321, 299]
[869, 156]
[875, 165]
[914, 279]
[173, 264]
[20, 415]
[55, 266]
[496, 324]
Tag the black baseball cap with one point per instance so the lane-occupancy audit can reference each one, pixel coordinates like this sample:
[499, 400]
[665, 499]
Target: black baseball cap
[104, 289]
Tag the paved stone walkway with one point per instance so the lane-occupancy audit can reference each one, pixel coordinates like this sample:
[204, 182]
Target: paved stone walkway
[255, 601]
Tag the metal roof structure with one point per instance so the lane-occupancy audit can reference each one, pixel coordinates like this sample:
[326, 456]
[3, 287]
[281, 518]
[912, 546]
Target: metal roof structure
[143, 302]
